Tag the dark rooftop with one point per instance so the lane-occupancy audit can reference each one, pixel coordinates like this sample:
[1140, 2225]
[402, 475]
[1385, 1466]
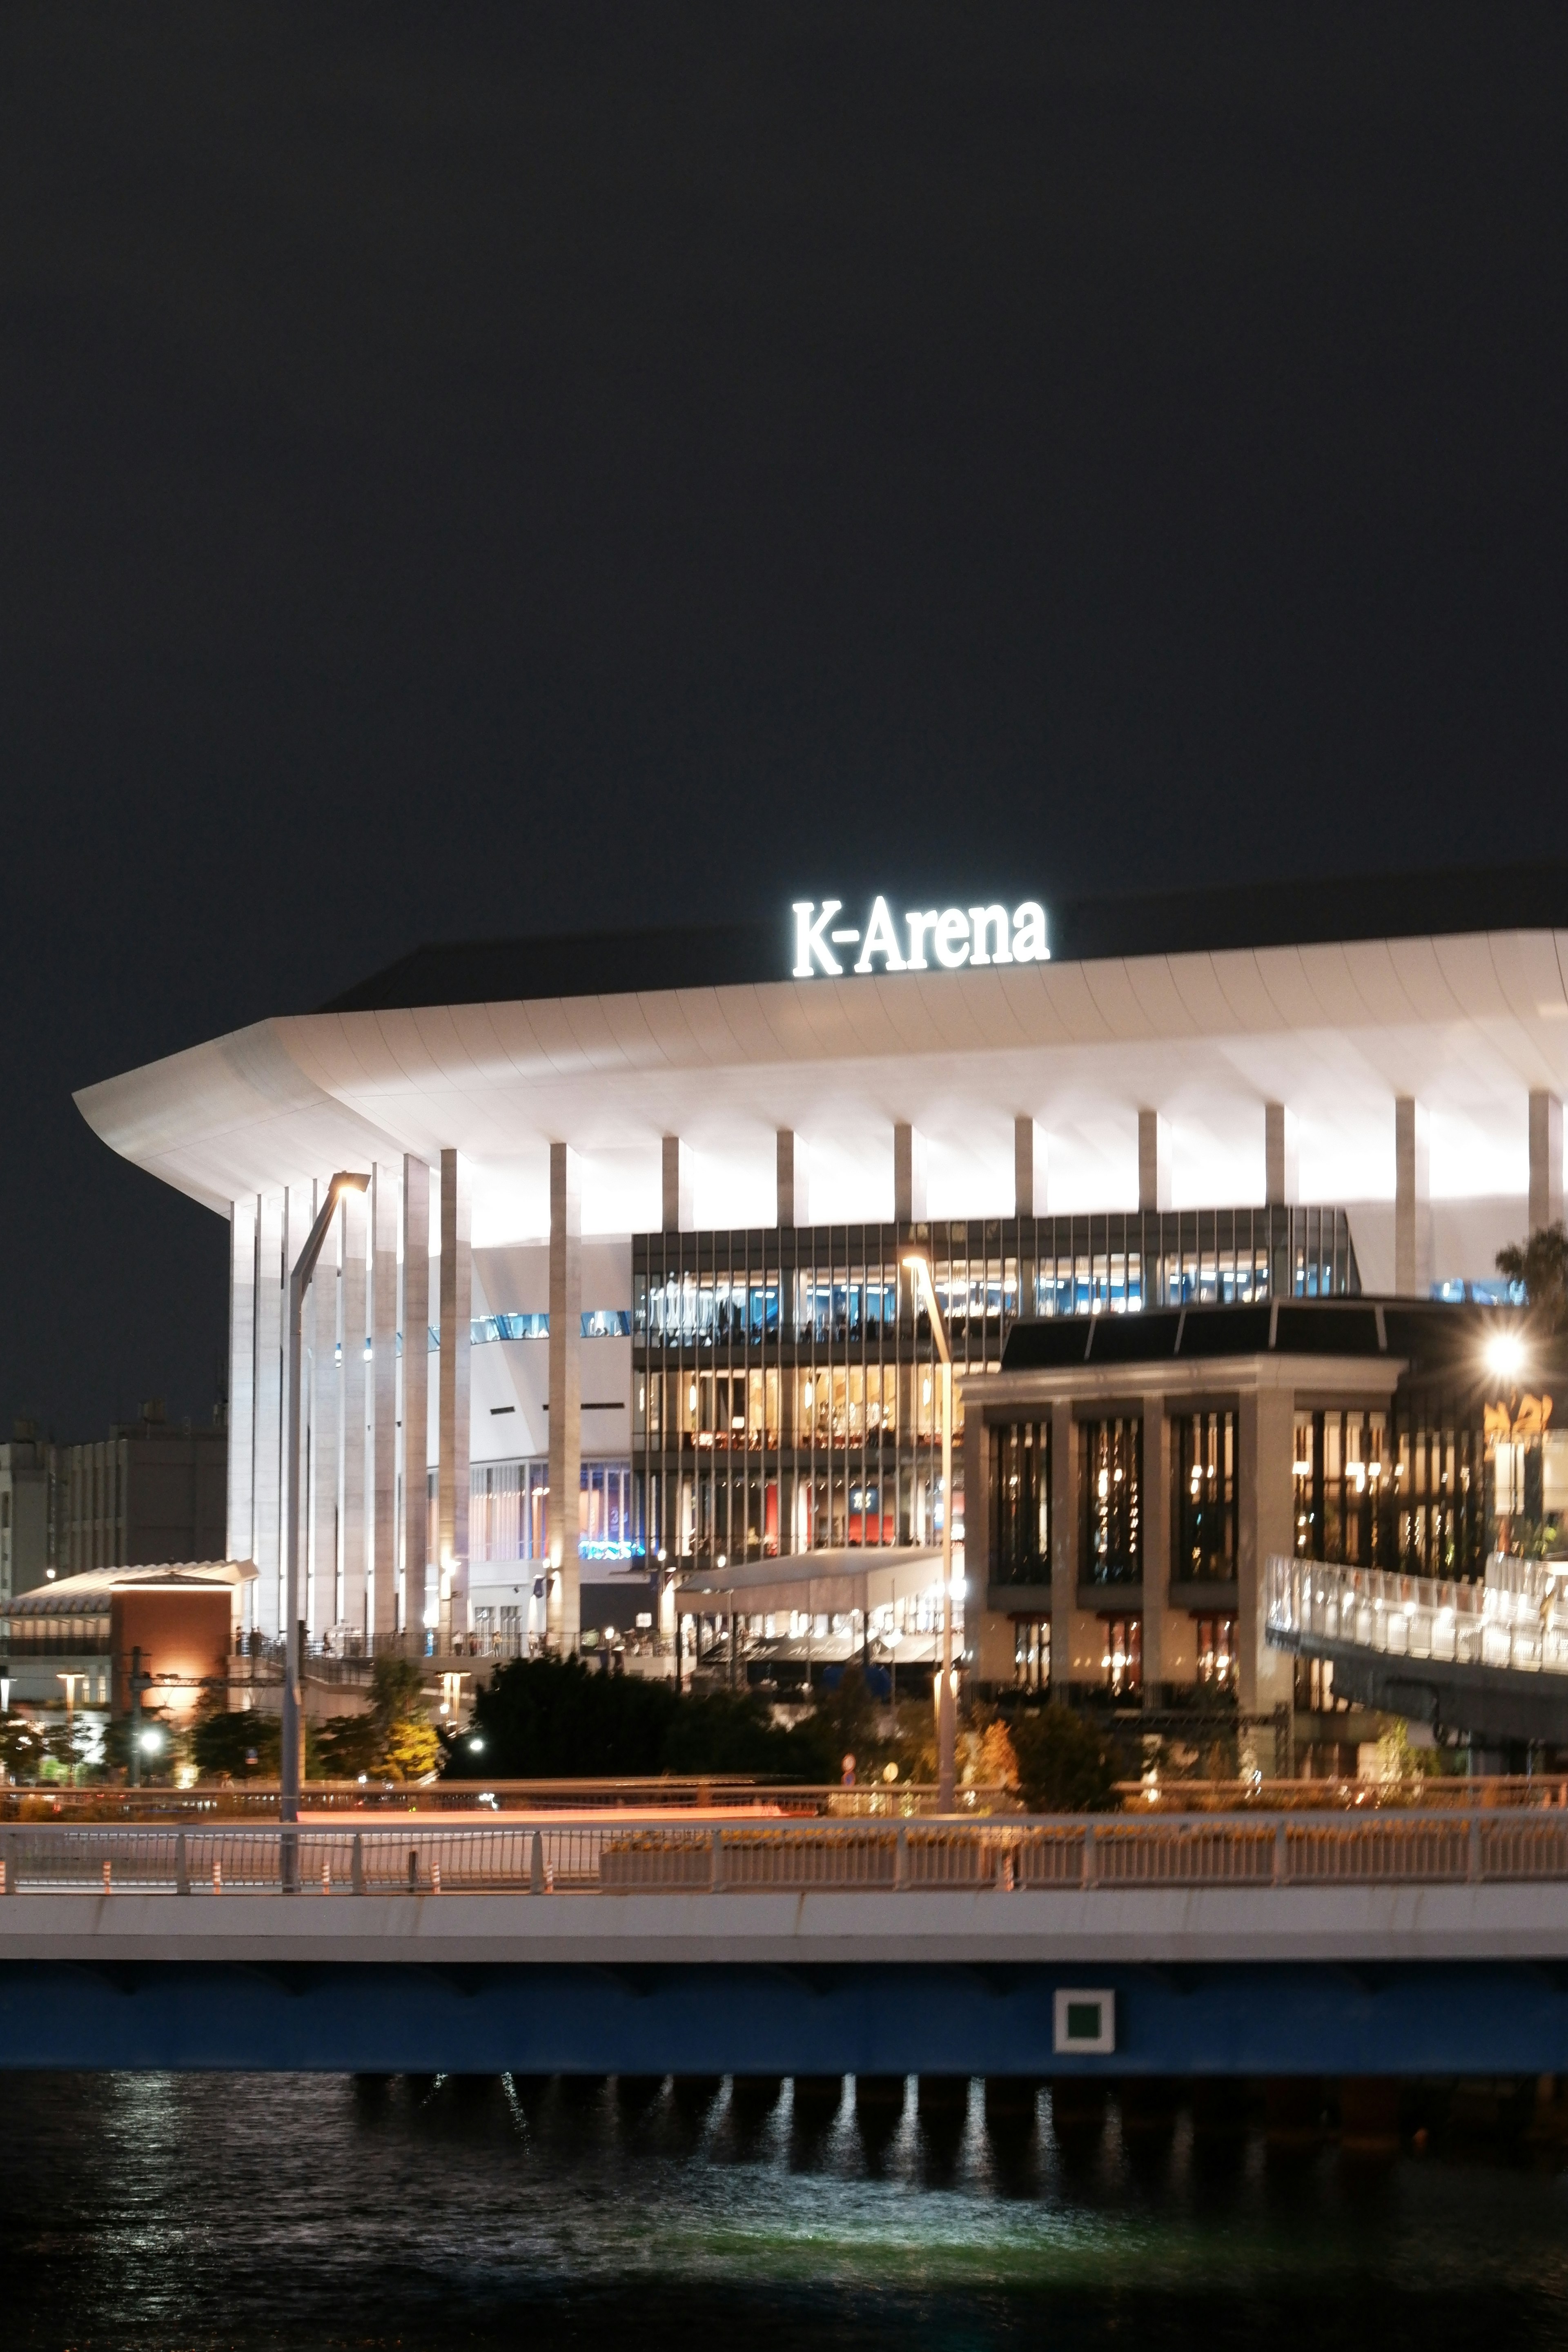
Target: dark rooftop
[1276, 914]
[1432, 1336]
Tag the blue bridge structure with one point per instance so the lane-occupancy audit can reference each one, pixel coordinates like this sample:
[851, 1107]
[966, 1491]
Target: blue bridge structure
[1400, 1942]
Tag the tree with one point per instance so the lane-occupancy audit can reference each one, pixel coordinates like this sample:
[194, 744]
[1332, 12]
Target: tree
[236, 1744]
[1540, 1264]
[1065, 1766]
[554, 1719]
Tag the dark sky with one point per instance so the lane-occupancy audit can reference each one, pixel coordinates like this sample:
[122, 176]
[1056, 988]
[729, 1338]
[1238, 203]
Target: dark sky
[479, 470]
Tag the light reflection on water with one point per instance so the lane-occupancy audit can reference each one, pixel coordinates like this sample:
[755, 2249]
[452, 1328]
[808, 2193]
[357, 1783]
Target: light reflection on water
[205, 2210]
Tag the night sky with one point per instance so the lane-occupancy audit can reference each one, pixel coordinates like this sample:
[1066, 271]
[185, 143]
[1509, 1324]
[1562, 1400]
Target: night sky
[479, 470]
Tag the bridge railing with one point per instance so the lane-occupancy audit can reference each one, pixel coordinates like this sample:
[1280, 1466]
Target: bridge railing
[618, 1855]
[1441, 1620]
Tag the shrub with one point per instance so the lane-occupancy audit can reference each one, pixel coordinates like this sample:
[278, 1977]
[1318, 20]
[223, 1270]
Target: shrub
[1065, 1765]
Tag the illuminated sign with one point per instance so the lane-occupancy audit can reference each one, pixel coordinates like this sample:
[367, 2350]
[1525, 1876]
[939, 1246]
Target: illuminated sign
[949, 937]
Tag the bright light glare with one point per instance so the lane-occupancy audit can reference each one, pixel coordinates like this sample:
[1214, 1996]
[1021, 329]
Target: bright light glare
[1505, 1354]
[476, 1745]
[153, 1740]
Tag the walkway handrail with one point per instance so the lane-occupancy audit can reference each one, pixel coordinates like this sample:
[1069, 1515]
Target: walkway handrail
[622, 1855]
[1442, 1620]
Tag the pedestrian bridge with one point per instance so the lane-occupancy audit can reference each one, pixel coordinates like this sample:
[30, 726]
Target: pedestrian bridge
[1488, 1659]
[1246, 1944]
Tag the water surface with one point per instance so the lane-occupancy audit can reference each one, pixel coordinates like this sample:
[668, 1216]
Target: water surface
[202, 2210]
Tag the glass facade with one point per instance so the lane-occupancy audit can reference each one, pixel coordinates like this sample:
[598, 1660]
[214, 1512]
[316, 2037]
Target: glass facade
[509, 1512]
[1215, 1660]
[784, 1384]
[1021, 1483]
[1122, 1662]
[1110, 1501]
[1202, 1498]
[1403, 1489]
[785, 1395]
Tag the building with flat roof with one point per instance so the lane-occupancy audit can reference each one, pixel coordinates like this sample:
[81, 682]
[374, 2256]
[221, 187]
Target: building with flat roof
[637, 1206]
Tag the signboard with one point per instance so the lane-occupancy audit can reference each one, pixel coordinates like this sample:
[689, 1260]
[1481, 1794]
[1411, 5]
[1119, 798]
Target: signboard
[920, 939]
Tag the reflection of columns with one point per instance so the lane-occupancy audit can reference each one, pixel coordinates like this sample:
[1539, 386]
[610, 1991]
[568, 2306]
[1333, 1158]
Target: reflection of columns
[351, 1391]
[268, 1406]
[1154, 1512]
[1281, 1185]
[909, 1174]
[1028, 1169]
[415, 1365]
[383, 1400]
[1545, 1160]
[320, 1554]
[563, 1617]
[793, 1185]
[241, 1535]
[1064, 1544]
[678, 1214]
[452, 1439]
[1153, 1161]
[1411, 1200]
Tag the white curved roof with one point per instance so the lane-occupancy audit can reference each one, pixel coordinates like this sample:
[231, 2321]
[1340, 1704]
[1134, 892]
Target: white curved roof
[1467, 1023]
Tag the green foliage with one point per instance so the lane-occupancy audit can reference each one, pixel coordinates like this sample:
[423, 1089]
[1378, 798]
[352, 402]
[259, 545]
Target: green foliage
[223, 1743]
[27, 1747]
[549, 1719]
[1541, 1263]
[392, 1737]
[1065, 1766]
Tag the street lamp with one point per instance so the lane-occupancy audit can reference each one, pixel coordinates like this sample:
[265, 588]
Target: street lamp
[919, 1269]
[290, 1770]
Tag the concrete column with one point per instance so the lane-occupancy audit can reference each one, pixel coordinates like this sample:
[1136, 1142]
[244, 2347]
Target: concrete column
[563, 1615]
[1545, 1160]
[909, 1174]
[679, 1216]
[1266, 1526]
[1064, 1544]
[794, 1182]
[1153, 1161]
[415, 1370]
[1028, 1168]
[452, 1444]
[1155, 1510]
[383, 1401]
[352, 1400]
[240, 1536]
[1281, 1186]
[321, 1331]
[299, 1216]
[269, 1524]
[1411, 1200]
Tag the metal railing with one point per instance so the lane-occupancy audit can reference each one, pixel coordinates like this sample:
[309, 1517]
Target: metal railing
[258, 1799]
[617, 1856]
[1512, 1619]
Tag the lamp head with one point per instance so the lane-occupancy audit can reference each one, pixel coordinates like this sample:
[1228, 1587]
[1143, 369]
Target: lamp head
[1505, 1355]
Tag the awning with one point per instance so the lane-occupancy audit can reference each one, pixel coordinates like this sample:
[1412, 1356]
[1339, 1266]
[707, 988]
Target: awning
[824, 1583]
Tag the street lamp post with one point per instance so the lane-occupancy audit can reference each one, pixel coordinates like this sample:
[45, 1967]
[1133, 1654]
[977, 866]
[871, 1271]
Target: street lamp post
[946, 1707]
[290, 1770]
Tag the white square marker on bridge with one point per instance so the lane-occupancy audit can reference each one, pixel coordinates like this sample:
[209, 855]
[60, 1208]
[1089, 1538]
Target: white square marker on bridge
[1085, 2022]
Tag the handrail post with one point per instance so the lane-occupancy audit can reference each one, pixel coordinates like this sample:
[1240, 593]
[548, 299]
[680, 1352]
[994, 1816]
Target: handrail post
[1473, 1871]
[536, 1864]
[181, 1867]
[1089, 1856]
[1282, 1854]
[901, 1857]
[357, 1865]
[716, 1859]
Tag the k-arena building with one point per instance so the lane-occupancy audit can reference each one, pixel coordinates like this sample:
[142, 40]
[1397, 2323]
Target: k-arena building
[1210, 1186]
